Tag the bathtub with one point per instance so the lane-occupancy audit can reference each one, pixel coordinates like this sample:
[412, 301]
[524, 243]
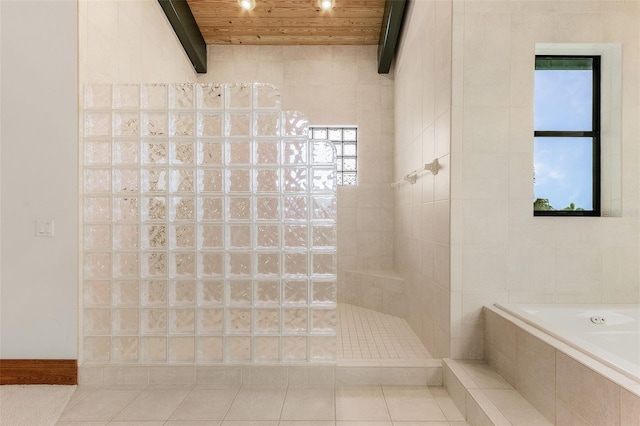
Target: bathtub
[608, 333]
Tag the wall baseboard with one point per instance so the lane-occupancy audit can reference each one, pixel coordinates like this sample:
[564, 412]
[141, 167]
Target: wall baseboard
[38, 372]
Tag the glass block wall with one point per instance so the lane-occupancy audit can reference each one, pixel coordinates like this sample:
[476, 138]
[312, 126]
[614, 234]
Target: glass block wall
[209, 231]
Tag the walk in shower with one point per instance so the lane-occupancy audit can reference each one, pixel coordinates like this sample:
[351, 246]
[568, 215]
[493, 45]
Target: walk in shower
[209, 228]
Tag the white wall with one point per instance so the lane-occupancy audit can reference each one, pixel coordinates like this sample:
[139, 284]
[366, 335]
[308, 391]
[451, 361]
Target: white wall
[39, 176]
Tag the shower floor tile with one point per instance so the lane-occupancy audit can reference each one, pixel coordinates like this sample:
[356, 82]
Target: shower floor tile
[367, 336]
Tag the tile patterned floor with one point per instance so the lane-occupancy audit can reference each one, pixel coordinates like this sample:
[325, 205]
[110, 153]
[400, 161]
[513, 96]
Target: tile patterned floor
[262, 406]
[363, 334]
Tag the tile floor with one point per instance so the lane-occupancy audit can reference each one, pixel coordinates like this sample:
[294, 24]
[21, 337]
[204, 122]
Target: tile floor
[363, 334]
[262, 406]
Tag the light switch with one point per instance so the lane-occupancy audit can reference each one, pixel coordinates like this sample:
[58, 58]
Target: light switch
[44, 228]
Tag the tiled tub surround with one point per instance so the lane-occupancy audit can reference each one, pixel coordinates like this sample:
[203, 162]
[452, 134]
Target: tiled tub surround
[209, 228]
[564, 384]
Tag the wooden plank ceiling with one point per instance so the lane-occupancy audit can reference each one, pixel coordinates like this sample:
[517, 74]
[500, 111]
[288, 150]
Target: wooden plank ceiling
[289, 22]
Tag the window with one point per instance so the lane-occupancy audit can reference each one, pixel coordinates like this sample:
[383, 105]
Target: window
[567, 136]
[345, 140]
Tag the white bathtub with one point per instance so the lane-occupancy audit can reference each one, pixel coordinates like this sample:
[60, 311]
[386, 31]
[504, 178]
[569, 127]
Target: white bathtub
[608, 333]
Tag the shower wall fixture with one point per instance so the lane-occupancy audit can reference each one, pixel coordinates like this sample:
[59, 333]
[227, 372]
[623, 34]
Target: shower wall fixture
[209, 231]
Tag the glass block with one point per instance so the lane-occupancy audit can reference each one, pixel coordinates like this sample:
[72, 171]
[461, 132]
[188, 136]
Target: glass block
[267, 180]
[182, 153]
[210, 293]
[322, 348]
[323, 153]
[320, 133]
[266, 152]
[324, 236]
[153, 349]
[294, 124]
[349, 149]
[323, 263]
[296, 291]
[239, 96]
[154, 124]
[154, 264]
[97, 349]
[125, 209]
[97, 180]
[153, 96]
[238, 153]
[181, 96]
[239, 264]
[211, 208]
[125, 180]
[97, 209]
[210, 124]
[239, 321]
[183, 264]
[239, 236]
[349, 179]
[240, 292]
[181, 180]
[154, 180]
[210, 350]
[97, 96]
[211, 264]
[210, 321]
[238, 180]
[239, 208]
[154, 152]
[125, 237]
[295, 348]
[296, 236]
[97, 321]
[97, 152]
[295, 152]
[96, 293]
[126, 96]
[97, 237]
[350, 135]
[210, 96]
[323, 208]
[211, 237]
[267, 124]
[238, 124]
[154, 208]
[267, 349]
[267, 320]
[182, 293]
[295, 180]
[323, 180]
[268, 236]
[266, 96]
[349, 164]
[324, 292]
[209, 153]
[295, 264]
[267, 208]
[154, 293]
[125, 349]
[339, 165]
[126, 124]
[295, 320]
[182, 321]
[182, 124]
[153, 321]
[126, 264]
[295, 208]
[267, 292]
[323, 320]
[183, 236]
[97, 265]
[126, 293]
[97, 124]
[126, 152]
[183, 208]
[154, 236]
[238, 349]
[268, 263]
[125, 321]
[209, 180]
[182, 349]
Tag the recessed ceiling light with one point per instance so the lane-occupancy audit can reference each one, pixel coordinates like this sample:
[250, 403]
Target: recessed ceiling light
[326, 4]
[247, 4]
